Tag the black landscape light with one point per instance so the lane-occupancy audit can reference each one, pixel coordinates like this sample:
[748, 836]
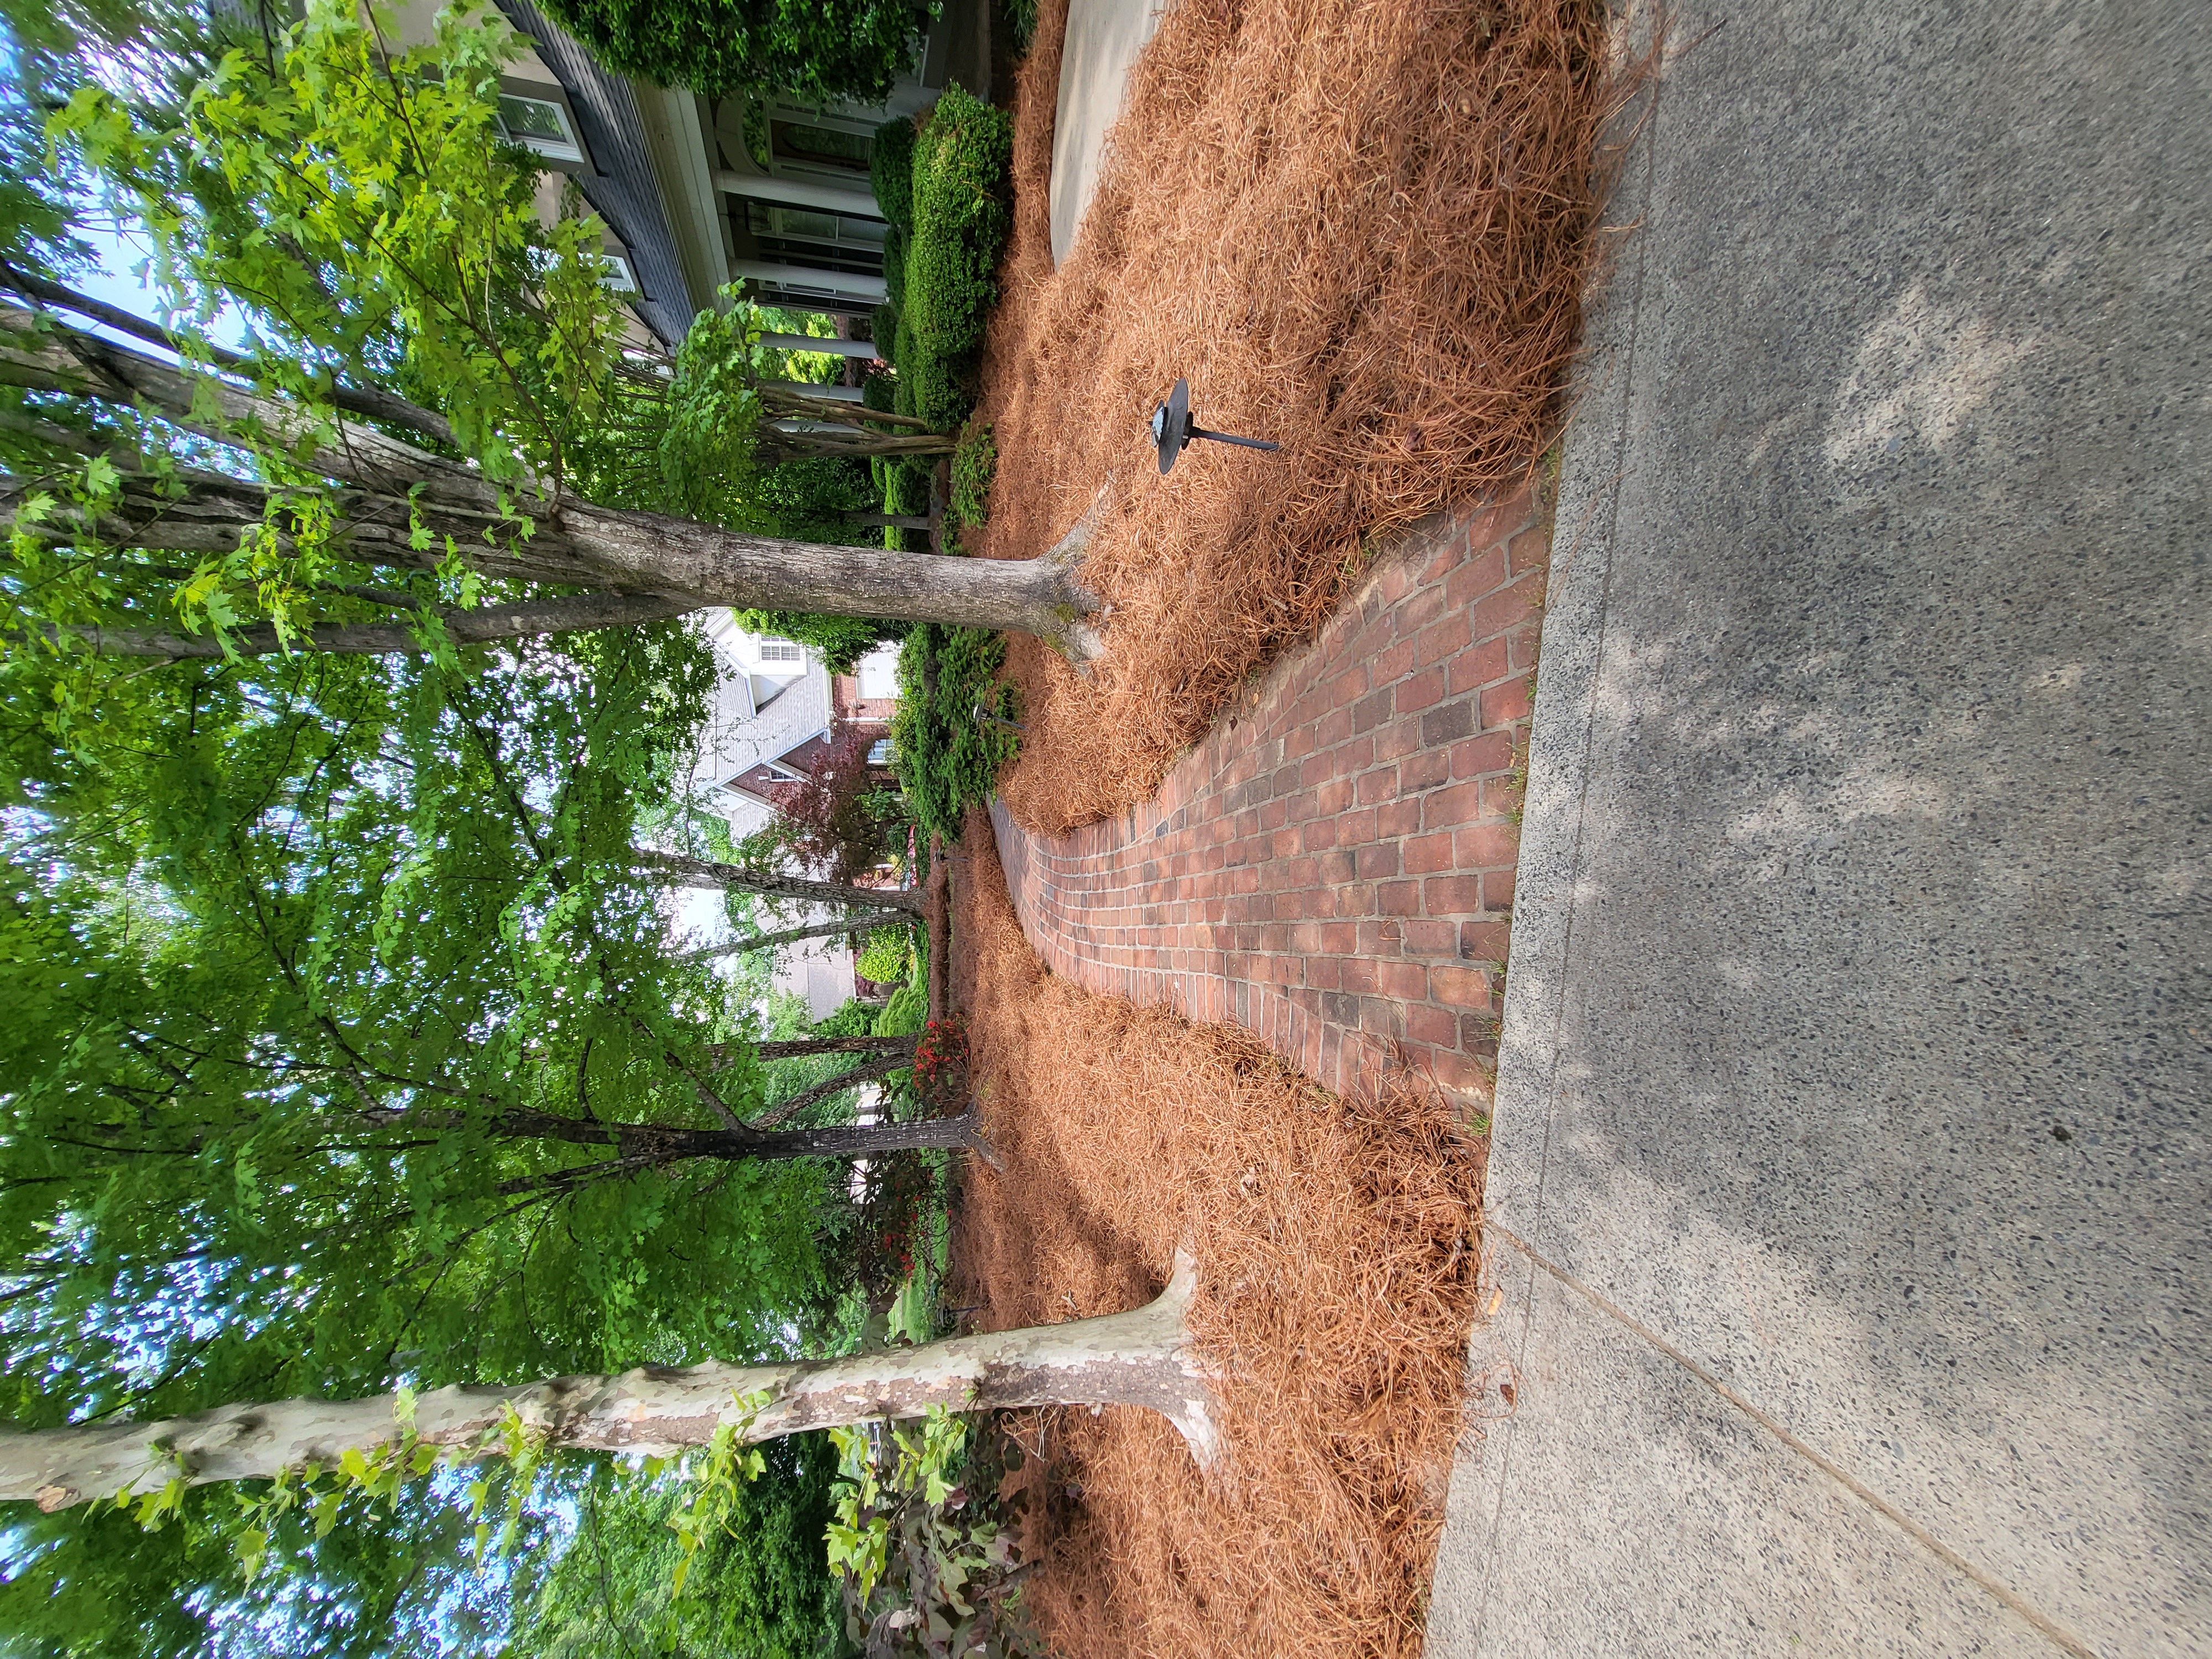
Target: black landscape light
[1174, 427]
[983, 713]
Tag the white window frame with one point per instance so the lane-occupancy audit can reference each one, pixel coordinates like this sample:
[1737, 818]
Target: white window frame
[621, 279]
[568, 147]
[775, 650]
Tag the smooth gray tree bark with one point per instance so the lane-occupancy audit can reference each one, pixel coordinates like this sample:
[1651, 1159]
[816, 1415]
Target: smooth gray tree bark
[1142, 1357]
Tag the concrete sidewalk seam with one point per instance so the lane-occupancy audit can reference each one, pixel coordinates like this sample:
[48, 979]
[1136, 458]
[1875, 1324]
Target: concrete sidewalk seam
[1841, 1477]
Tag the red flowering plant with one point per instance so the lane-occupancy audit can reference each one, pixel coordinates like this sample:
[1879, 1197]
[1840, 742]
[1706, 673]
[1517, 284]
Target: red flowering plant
[875, 1246]
[940, 1066]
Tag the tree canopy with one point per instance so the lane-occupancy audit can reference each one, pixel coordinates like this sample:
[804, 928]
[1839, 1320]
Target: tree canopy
[824, 50]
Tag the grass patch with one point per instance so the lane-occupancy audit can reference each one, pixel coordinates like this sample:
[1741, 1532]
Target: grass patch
[946, 759]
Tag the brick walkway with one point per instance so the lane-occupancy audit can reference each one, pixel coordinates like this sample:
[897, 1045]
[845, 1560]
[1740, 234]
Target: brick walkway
[1332, 867]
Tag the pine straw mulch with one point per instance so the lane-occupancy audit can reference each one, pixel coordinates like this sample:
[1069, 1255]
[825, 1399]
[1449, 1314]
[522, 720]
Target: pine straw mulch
[1362, 227]
[1336, 1248]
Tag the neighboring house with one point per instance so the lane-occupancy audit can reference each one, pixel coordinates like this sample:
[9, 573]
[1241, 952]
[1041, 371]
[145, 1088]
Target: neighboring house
[774, 710]
[687, 203]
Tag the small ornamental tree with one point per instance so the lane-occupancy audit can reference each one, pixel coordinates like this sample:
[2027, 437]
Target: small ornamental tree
[827, 817]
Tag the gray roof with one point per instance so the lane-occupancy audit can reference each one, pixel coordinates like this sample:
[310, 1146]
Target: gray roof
[620, 185]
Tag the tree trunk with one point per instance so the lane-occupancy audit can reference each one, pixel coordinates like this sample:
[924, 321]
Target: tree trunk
[520, 531]
[866, 1072]
[1142, 1357]
[792, 936]
[705, 873]
[483, 626]
[639, 1146]
[891, 520]
[938, 912]
[799, 1048]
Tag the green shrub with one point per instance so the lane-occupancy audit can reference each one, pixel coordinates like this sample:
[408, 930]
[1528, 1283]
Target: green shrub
[894, 270]
[962, 164]
[821, 51]
[1022, 13]
[908, 1011]
[888, 958]
[974, 465]
[841, 640]
[884, 335]
[946, 759]
[906, 493]
[890, 172]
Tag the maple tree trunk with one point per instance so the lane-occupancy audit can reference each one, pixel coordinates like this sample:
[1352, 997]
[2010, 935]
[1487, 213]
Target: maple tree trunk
[709, 873]
[392, 490]
[1142, 1357]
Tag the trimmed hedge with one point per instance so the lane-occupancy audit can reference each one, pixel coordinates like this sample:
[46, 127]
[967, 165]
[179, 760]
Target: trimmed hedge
[890, 172]
[963, 167]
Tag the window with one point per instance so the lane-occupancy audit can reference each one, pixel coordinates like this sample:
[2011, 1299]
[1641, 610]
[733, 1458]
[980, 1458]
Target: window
[823, 147]
[781, 651]
[541, 124]
[619, 276]
[879, 752]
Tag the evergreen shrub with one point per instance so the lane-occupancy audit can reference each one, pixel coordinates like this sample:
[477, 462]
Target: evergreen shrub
[946, 759]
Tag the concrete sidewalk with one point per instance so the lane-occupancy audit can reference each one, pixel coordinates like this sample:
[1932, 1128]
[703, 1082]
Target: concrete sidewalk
[1104, 37]
[1850, 1186]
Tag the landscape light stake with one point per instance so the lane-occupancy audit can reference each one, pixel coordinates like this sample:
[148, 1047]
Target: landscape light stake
[983, 713]
[1174, 427]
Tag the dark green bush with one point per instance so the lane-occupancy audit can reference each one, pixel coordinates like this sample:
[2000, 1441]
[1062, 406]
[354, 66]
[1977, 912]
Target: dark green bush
[890, 172]
[906, 492]
[882, 334]
[974, 465]
[894, 270]
[825, 51]
[946, 759]
[962, 170]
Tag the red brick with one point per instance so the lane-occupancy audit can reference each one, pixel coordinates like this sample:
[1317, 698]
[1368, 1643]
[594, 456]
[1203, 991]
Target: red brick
[1419, 938]
[1483, 941]
[1427, 854]
[1381, 784]
[1398, 818]
[1447, 808]
[1481, 575]
[1497, 889]
[1441, 640]
[1501, 796]
[1486, 751]
[1507, 609]
[1522, 645]
[1423, 770]
[1399, 898]
[1318, 835]
[1531, 550]
[1407, 981]
[1400, 737]
[1420, 692]
[1370, 711]
[1462, 987]
[1332, 796]
[1487, 845]
[1452, 896]
[1503, 704]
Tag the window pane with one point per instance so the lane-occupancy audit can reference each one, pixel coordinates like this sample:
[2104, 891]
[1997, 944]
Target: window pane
[793, 142]
[533, 117]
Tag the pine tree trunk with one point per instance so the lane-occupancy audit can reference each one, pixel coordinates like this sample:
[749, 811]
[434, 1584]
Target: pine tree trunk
[1143, 1357]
